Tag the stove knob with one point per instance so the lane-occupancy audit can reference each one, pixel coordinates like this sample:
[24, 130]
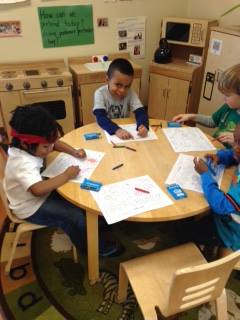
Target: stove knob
[44, 83]
[26, 85]
[9, 86]
[60, 82]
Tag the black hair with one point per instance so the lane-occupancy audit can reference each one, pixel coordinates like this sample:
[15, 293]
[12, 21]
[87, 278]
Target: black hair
[34, 120]
[121, 65]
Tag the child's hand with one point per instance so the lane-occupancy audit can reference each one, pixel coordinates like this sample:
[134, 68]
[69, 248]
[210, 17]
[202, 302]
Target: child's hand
[72, 171]
[200, 165]
[213, 157]
[123, 134]
[226, 137]
[142, 131]
[183, 117]
[80, 153]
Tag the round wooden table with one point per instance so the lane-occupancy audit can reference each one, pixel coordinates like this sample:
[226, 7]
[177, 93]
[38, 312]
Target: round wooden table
[153, 157]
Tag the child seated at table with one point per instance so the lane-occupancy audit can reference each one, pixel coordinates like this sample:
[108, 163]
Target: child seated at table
[222, 226]
[228, 115]
[116, 99]
[35, 135]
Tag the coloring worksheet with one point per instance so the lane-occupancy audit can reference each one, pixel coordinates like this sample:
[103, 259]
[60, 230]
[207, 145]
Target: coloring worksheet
[188, 139]
[184, 174]
[132, 129]
[118, 201]
[64, 160]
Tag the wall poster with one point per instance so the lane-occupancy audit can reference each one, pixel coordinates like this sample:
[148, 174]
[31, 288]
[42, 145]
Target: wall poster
[63, 26]
[131, 35]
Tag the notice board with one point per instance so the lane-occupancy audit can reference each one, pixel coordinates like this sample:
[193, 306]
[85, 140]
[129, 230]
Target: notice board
[63, 26]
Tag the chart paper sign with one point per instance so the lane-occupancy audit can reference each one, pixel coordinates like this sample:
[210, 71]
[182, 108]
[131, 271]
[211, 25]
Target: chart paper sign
[66, 25]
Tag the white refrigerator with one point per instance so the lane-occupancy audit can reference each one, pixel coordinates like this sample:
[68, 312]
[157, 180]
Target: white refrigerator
[223, 52]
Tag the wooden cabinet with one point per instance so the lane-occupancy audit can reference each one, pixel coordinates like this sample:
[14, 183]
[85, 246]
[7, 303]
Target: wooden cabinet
[171, 89]
[86, 82]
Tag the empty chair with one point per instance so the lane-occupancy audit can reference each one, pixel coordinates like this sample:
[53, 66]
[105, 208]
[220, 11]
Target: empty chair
[22, 226]
[175, 280]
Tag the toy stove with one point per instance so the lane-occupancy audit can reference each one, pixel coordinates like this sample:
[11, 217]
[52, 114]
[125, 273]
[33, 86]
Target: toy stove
[48, 83]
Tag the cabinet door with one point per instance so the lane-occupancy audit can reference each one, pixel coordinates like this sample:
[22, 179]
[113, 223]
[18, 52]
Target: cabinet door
[87, 96]
[157, 96]
[86, 101]
[177, 97]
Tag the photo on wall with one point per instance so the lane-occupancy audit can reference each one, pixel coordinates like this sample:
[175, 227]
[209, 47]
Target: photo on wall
[10, 29]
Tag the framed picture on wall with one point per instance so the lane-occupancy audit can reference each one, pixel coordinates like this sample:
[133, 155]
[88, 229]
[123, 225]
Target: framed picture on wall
[10, 29]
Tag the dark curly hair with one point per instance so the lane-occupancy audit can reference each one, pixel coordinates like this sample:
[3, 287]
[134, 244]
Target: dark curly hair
[34, 120]
[121, 65]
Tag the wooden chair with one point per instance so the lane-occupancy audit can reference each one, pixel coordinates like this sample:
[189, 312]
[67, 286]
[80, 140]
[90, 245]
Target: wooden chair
[175, 280]
[22, 226]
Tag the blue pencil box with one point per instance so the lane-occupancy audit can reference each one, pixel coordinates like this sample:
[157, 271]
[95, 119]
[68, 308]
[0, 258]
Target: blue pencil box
[172, 124]
[90, 185]
[91, 136]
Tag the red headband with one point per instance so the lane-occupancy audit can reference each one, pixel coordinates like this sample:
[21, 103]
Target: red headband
[30, 138]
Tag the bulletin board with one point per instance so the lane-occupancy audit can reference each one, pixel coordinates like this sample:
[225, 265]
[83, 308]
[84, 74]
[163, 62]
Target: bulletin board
[63, 26]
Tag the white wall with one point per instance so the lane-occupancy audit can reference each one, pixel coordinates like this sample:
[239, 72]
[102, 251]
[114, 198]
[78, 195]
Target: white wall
[29, 46]
[212, 9]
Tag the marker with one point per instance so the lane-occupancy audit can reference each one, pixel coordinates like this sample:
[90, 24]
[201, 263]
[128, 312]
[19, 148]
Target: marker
[118, 166]
[141, 190]
[130, 149]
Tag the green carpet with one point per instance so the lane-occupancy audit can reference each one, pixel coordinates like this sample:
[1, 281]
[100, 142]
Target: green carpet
[62, 290]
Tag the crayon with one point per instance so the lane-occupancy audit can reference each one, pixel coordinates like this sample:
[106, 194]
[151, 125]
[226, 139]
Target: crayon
[129, 148]
[141, 190]
[118, 166]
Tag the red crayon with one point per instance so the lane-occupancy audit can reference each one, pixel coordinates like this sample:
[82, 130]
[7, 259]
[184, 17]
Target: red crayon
[141, 190]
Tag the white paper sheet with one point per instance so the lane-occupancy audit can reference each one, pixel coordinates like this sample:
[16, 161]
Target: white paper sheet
[184, 174]
[132, 129]
[119, 201]
[188, 139]
[63, 161]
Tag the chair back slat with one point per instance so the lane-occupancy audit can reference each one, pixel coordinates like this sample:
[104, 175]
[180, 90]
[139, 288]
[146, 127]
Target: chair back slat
[196, 285]
[3, 197]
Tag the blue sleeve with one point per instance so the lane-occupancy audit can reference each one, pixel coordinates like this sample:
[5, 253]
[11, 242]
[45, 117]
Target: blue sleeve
[215, 197]
[141, 117]
[104, 122]
[226, 157]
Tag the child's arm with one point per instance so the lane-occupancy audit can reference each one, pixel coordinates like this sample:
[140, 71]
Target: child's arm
[142, 122]
[108, 125]
[64, 147]
[205, 121]
[216, 198]
[43, 187]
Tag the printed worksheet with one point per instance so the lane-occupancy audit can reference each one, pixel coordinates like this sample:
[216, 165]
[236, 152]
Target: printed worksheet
[132, 129]
[64, 160]
[188, 139]
[124, 199]
[184, 174]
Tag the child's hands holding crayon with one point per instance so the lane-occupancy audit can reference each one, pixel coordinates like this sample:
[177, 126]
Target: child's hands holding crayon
[199, 165]
[226, 137]
[123, 134]
[213, 157]
[79, 153]
[71, 172]
[142, 131]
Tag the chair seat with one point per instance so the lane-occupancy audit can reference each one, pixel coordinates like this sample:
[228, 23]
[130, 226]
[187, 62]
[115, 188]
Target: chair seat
[150, 276]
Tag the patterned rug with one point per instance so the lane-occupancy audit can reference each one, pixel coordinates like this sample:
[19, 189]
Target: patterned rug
[45, 283]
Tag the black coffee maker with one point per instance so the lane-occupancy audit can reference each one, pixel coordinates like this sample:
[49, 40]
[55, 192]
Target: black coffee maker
[163, 54]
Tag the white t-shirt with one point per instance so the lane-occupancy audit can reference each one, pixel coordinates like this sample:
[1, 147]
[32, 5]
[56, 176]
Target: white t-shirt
[116, 108]
[21, 172]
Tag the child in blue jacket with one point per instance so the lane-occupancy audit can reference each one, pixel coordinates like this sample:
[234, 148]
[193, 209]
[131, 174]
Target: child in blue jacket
[225, 206]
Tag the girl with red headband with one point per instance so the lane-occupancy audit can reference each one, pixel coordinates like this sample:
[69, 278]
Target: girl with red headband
[34, 135]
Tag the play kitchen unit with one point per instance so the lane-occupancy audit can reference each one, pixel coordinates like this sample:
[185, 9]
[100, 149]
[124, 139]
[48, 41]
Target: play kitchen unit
[175, 86]
[88, 76]
[223, 52]
[46, 82]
